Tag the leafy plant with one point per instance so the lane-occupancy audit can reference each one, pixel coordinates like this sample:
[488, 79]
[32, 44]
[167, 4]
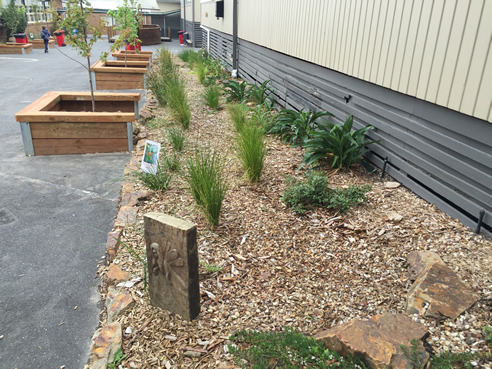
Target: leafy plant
[14, 19]
[251, 150]
[211, 96]
[77, 18]
[487, 334]
[238, 114]
[260, 94]
[345, 198]
[211, 268]
[301, 196]
[207, 182]
[314, 191]
[117, 359]
[235, 91]
[176, 138]
[337, 144]
[262, 117]
[451, 360]
[295, 127]
[415, 353]
[287, 349]
[157, 182]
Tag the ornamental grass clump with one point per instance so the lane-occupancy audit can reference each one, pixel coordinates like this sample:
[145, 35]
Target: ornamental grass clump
[207, 182]
[176, 138]
[158, 181]
[238, 114]
[177, 100]
[211, 96]
[251, 150]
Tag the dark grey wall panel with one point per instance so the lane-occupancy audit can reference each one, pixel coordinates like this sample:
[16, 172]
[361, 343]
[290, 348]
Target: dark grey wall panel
[195, 32]
[442, 155]
[221, 47]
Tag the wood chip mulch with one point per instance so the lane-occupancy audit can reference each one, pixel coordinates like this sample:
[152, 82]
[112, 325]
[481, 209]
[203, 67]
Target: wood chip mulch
[279, 269]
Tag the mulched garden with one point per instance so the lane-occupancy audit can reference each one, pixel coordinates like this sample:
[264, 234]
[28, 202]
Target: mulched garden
[264, 267]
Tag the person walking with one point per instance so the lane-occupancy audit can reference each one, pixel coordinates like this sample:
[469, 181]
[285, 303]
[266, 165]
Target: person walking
[45, 35]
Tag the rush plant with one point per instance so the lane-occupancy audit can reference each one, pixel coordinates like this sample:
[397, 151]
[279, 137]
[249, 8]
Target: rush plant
[238, 114]
[251, 150]
[211, 96]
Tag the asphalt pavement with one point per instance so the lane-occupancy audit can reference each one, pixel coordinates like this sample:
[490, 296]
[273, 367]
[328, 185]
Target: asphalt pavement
[55, 212]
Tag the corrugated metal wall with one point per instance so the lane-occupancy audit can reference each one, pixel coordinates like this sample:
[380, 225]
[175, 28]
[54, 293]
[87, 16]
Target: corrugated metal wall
[436, 50]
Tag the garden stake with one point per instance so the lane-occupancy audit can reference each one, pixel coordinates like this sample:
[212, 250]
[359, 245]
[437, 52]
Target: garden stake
[384, 167]
[480, 220]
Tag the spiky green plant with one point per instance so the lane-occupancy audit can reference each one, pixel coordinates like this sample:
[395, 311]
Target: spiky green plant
[251, 150]
[260, 94]
[238, 114]
[211, 96]
[235, 91]
[176, 138]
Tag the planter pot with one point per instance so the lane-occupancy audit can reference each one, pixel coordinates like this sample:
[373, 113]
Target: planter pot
[39, 44]
[20, 38]
[138, 46]
[113, 75]
[150, 34]
[14, 48]
[132, 55]
[61, 123]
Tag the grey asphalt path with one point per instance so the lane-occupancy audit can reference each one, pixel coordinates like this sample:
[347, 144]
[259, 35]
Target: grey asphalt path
[55, 212]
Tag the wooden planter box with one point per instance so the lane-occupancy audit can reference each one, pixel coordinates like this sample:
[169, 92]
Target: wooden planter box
[113, 75]
[131, 55]
[13, 48]
[39, 44]
[61, 123]
[150, 34]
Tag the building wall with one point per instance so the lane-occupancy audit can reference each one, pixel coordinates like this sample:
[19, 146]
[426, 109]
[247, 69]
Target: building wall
[438, 51]
[168, 7]
[442, 155]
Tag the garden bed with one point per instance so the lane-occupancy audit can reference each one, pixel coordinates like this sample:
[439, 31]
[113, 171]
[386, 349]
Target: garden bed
[63, 123]
[132, 55]
[14, 48]
[265, 267]
[39, 44]
[114, 75]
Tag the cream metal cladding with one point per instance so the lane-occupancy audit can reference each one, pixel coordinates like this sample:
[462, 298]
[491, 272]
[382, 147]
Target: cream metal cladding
[438, 51]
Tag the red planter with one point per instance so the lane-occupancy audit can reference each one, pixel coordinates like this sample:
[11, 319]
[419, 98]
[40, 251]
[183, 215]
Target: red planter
[131, 47]
[20, 38]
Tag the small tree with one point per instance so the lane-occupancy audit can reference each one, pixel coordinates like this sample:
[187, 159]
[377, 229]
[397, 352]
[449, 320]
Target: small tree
[76, 25]
[127, 19]
[14, 19]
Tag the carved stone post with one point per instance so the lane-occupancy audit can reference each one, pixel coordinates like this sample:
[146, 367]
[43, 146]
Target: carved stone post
[172, 259]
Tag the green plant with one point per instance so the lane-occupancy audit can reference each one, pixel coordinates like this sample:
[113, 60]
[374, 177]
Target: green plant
[262, 117]
[186, 55]
[176, 138]
[251, 150]
[77, 19]
[415, 353]
[207, 182]
[337, 144]
[201, 71]
[487, 334]
[155, 82]
[287, 349]
[157, 182]
[177, 100]
[238, 114]
[127, 19]
[211, 96]
[14, 19]
[155, 123]
[345, 198]
[235, 91]
[451, 360]
[301, 196]
[171, 162]
[211, 268]
[117, 359]
[295, 127]
[260, 94]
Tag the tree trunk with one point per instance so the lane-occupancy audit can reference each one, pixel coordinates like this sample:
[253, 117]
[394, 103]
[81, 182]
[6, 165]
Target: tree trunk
[88, 63]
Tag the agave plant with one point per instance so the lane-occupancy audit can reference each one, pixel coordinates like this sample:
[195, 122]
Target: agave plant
[337, 144]
[296, 127]
[260, 94]
[235, 91]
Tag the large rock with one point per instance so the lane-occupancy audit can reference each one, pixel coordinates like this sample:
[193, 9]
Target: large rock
[378, 341]
[420, 261]
[116, 275]
[105, 342]
[439, 293]
[117, 302]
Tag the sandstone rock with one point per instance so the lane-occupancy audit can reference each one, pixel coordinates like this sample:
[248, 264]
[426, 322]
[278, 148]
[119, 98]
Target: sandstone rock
[135, 129]
[439, 293]
[129, 199]
[377, 340]
[112, 244]
[127, 215]
[395, 217]
[127, 187]
[420, 261]
[116, 275]
[106, 341]
[142, 135]
[117, 302]
[145, 114]
[391, 184]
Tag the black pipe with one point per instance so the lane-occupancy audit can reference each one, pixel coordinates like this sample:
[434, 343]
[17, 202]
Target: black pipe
[480, 220]
[384, 167]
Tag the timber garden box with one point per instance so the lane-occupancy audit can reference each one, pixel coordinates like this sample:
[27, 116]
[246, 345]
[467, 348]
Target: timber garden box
[14, 48]
[132, 55]
[63, 123]
[113, 75]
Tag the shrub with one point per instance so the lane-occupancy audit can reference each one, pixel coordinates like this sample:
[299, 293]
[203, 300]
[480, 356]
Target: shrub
[260, 94]
[157, 182]
[337, 144]
[176, 138]
[301, 196]
[205, 176]
[314, 191]
[239, 115]
[235, 91]
[251, 150]
[288, 349]
[296, 127]
[211, 96]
